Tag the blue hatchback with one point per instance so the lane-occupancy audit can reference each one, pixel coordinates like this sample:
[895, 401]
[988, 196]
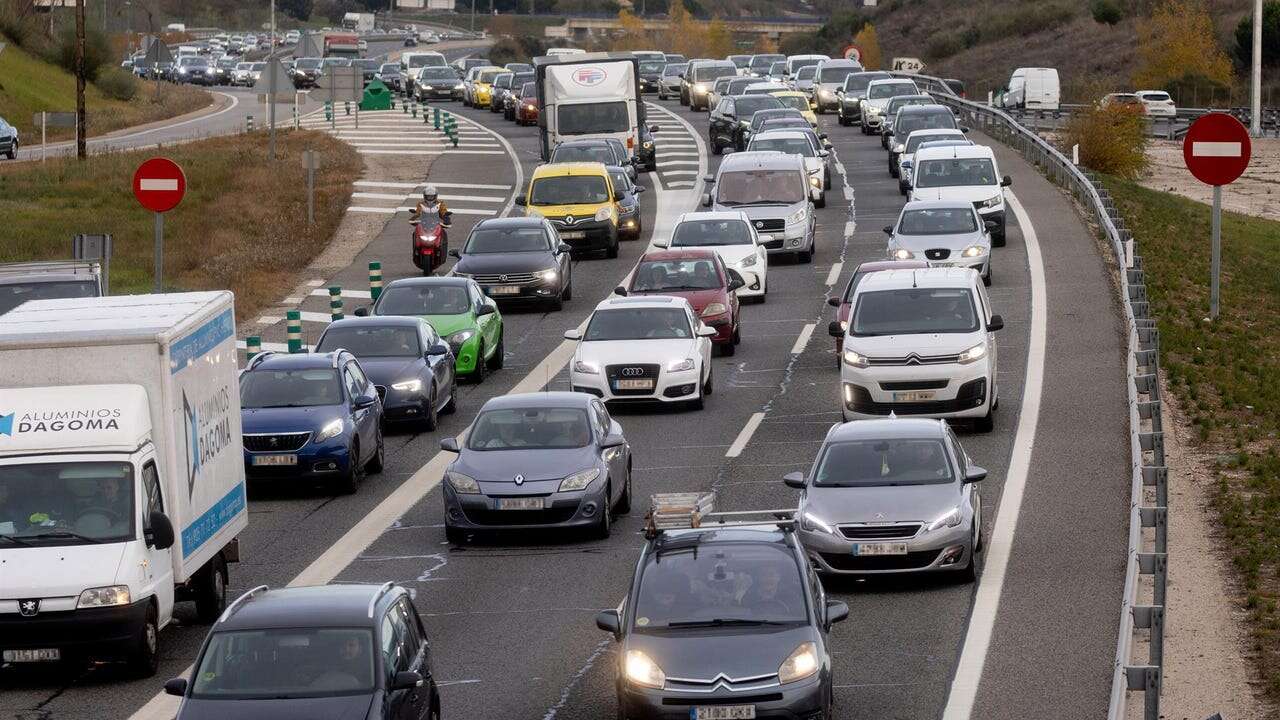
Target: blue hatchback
[310, 416]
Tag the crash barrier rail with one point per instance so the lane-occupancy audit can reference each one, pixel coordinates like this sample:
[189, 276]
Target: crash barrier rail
[1157, 127]
[1147, 553]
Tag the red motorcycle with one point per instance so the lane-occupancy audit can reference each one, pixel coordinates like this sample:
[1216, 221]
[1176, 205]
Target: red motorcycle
[430, 238]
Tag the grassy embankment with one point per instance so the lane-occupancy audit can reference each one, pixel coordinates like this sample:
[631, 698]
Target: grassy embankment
[1227, 377]
[29, 85]
[242, 224]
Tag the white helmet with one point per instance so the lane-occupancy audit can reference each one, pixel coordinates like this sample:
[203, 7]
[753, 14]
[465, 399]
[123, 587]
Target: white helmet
[429, 193]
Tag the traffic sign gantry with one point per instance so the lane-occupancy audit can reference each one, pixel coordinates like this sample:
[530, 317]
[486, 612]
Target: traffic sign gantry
[1217, 149]
[159, 184]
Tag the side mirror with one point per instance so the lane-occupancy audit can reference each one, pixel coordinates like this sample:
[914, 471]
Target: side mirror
[833, 327]
[620, 291]
[964, 130]
[485, 309]
[653, 128]
[406, 680]
[706, 331]
[975, 474]
[449, 445]
[794, 480]
[159, 534]
[176, 686]
[362, 311]
[521, 200]
[662, 243]
[437, 350]
[1006, 181]
[990, 225]
[837, 610]
[735, 280]
[364, 401]
[824, 153]
[613, 440]
[834, 301]
[997, 323]
[453, 253]
[610, 622]
[888, 229]
[706, 199]
[574, 334]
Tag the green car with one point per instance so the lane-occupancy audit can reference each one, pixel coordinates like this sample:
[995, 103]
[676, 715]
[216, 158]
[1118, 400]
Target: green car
[459, 311]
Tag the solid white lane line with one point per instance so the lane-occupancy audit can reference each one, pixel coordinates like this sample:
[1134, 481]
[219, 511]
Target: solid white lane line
[834, 274]
[803, 340]
[744, 435]
[986, 602]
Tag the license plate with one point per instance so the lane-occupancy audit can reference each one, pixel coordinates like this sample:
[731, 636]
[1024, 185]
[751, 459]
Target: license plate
[880, 549]
[39, 655]
[533, 503]
[503, 290]
[574, 235]
[913, 396]
[275, 459]
[722, 712]
[634, 384]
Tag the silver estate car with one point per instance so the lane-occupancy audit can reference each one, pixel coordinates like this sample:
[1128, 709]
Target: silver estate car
[892, 495]
[773, 189]
[944, 233]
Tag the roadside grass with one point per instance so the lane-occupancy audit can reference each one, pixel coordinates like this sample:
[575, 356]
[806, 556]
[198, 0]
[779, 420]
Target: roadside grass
[1227, 375]
[241, 226]
[29, 85]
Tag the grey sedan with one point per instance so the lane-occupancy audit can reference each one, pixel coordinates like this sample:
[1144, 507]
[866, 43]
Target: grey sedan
[943, 233]
[891, 496]
[537, 460]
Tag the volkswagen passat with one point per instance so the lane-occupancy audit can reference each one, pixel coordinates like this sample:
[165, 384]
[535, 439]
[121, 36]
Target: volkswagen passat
[732, 236]
[517, 259]
[537, 460]
[643, 349]
[891, 495]
[944, 234]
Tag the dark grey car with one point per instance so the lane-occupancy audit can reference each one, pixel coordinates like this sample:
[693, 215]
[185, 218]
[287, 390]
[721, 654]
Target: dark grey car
[537, 460]
[896, 495]
[517, 259]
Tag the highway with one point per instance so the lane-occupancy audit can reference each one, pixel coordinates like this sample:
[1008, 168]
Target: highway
[511, 619]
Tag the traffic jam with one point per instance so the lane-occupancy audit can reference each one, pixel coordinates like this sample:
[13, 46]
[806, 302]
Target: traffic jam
[134, 445]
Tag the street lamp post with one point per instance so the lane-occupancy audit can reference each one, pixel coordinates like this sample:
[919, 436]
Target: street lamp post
[1255, 124]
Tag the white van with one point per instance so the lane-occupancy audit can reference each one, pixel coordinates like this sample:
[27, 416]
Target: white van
[963, 172]
[795, 62]
[1033, 89]
[122, 483]
[426, 58]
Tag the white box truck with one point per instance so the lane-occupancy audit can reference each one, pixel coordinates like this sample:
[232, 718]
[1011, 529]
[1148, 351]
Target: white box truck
[122, 483]
[360, 22]
[589, 95]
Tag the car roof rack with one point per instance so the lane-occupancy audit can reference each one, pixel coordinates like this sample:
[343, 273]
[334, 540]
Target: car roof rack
[235, 604]
[688, 510]
[383, 589]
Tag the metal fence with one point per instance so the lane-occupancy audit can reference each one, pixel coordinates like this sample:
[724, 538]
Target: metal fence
[1148, 521]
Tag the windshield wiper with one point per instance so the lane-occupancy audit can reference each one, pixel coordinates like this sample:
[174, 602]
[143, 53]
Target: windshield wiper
[763, 202]
[15, 540]
[66, 534]
[725, 622]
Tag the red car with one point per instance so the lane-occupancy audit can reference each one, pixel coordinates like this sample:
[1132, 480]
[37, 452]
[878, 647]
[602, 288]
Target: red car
[699, 276]
[842, 302]
[527, 105]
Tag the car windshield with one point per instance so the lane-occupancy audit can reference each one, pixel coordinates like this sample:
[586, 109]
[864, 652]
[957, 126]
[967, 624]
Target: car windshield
[938, 221]
[583, 153]
[530, 429]
[193, 62]
[450, 299]
[908, 122]
[425, 60]
[569, 190]
[14, 294]
[720, 584]
[653, 66]
[955, 172]
[520, 79]
[673, 70]
[389, 68]
[760, 187]
[740, 60]
[66, 503]
[337, 62]
[503, 80]
[914, 311]
[310, 387]
[835, 74]
[486, 240]
[529, 90]
[244, 66]
[364, 341]
[914, 141]
[879, 91]
[699, 233]
[857, 82]
[707, 73]
[258, 67]
[520, 67]
[648, 323]
[284, 663]
[793, 101]
[660, 275]
[791, 146]
[764, 116]
[902, 101]
[593, 118]
[437, 73]
[487, 76]
[747, 105]
[809, 72]
[761, 63]
[877, 463]
[620, 179]
[777, 68]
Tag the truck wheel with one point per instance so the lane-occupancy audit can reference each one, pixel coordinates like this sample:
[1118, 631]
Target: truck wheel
[144, 660]
[211, 595]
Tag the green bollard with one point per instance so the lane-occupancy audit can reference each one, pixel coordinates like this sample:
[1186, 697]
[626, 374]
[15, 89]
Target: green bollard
[295, 331]
[413, 111]
[404, 108]
[375, 280]
[252, 347]
[328, 111]
[335, 303]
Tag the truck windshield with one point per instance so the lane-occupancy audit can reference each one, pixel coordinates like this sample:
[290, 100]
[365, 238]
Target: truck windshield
[569, 190]
[593, 118]
[71, 503]
[308, 387]
[14, 294]
[286, 663]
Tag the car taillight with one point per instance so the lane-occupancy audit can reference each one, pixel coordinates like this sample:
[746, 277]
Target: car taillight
[631, 143]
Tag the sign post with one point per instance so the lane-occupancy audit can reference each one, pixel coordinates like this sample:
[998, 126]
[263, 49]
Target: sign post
[274, 83]
[341, 84]
[159, 185]
[1216, 151]
[311, 160]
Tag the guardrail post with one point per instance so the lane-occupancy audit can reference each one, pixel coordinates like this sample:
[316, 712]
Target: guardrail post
[1153, 442]
[375, 279]
[1157, 476]
[1151, 617]
[1158, 518]
[1147, 679]
[252, 347]
[295, 330]
[335, 302]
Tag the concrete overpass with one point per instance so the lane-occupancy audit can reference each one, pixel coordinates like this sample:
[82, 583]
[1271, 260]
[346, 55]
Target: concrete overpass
[583, 27]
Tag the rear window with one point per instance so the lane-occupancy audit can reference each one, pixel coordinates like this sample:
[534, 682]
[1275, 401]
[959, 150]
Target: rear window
[705, 73]
[857, 82]
[914, 141]
[909, 122]
[836, 74]
[14, 294]
[888, 90]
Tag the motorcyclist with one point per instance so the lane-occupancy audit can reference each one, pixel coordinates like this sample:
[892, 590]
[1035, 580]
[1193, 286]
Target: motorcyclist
[431, 203]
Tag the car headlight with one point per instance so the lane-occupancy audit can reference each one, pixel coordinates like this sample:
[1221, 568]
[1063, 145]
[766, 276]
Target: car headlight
[332, 429]
[464, 484]
[873, 110]
[642, 670]
[949, 519]
[815, 181]
[825, 93]
[800, 664]
[603, 214]
[899, 148]
[811, 522]
[991, 202]
[586, 367]
[797, 216]
[579, 480]
[700, 87]
[744, 123]
[974, 251]
[427, 87]
[109, 596]
[460, 337]
[855, 359]
[680, 365]
[748, 261]
[530, 107]
[648, 145]
[411, 386]
[459, 86]
[973, 354]
[713, 309]
[903, 254]
[548, 274]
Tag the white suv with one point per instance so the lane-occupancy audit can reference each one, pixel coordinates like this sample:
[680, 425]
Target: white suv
[645, 348]
[967, 173]
[921, 342]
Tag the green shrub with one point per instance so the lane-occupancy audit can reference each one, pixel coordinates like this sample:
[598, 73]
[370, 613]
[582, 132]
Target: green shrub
[117, 83]
[943, 44]
[97, 52]
[1107, 11]
[1112, 139]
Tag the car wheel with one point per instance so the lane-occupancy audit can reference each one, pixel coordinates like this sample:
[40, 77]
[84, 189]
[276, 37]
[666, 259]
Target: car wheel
[556, 303]
[826, 179]
[451, 407]
[986, 423]
[728, 349]
[612, 250]
[605, 527]
[902, 188]
[379, 458]
[843, 120]
[822, 200]
[350, 482]
[805, 256]
[431, 419]
[211, 595]
[455, 535]
[144, 659]
[986, 279]
[998, 237]
[477, 375]
[499, 353]
[568, 290]
[624, 503]
[715, 147]
[707, 386]
[970, 573]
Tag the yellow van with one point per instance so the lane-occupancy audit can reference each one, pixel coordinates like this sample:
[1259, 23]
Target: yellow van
[798, 101]
[579, 200]
[479, 85]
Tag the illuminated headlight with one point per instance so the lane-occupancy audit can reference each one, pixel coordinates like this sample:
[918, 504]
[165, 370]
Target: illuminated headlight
[648, 145]
[457, 339]
[974, 251]
[973, 354]
[797, 216]
[903, 254]
[643, 671]
[700, 87]
[855, 359]
[579, 480]
[800, 664]
[328, 431]
[530, 107]
[109, 596]
[459, 86]
[680, 365]
[815, 181]
[586, 367]
[546, 274]
[427, 87]
[603, 214]
[899, 148]
[713, 309]
[812, 522]
[464, 484]
[749, 261]
[949, 519]
[744, 123]
[873, 110]
[409, 386]
[991, 202]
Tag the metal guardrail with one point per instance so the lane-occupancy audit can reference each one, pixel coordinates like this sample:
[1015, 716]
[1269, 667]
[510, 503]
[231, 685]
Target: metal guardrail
[1147, 554]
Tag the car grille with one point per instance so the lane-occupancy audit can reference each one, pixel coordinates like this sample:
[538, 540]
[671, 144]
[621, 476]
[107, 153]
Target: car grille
[880, 532]
[914, 359]
[910, 561]
[284, 442]
[507, 279]
[552, 516]
[937, 253]
[914, 385]
[775, 244]
[615, 372]
[720, 700]
[767, 225]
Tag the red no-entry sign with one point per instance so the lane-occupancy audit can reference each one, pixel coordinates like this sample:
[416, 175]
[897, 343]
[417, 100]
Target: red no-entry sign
[1216, 149]
[159, 184]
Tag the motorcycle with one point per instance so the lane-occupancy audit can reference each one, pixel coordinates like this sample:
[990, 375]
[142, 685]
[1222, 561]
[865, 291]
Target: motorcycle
[430, 239]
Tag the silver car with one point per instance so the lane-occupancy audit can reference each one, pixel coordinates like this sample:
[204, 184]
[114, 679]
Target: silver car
[944, 233]
[773, 189]
[893, 495]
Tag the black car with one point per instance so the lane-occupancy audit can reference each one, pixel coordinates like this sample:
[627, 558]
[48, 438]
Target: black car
[918, 117]
[650, 74]
[323, 652]
[409, 364]
[391, 76]
[501, 86]
[731, 118]
[517, 259]
[723, 620]
[647, 153]
[891, 114]
[307, 72]
[511, 96]
[849, 95]
[369, 68]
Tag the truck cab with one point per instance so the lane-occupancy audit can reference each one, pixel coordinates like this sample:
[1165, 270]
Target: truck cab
[594, 95]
